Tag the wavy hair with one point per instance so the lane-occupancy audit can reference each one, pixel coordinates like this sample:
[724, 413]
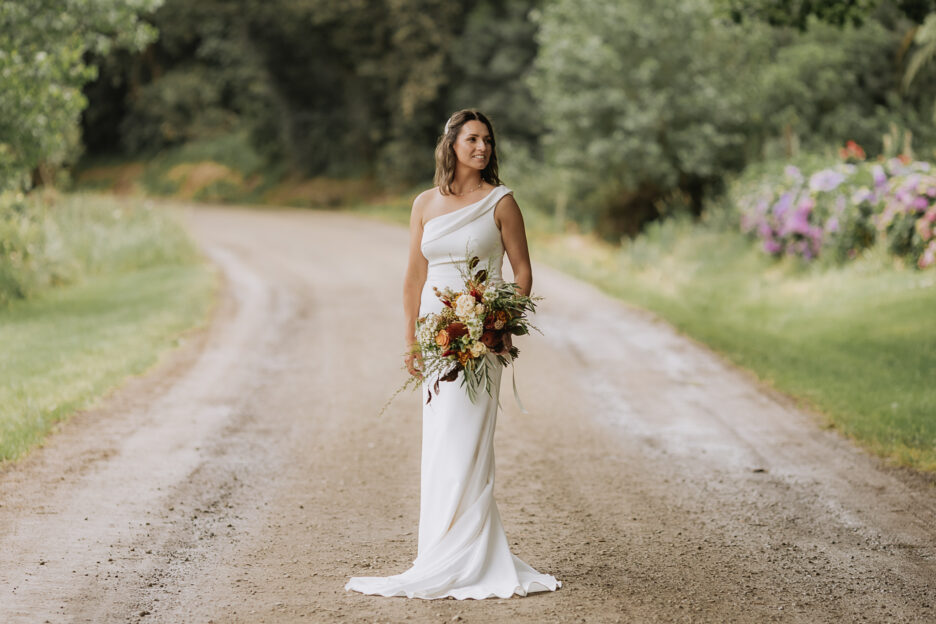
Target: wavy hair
[445, 158]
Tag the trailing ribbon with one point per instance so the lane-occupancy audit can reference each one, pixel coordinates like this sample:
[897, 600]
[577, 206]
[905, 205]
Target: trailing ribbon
[513, 374]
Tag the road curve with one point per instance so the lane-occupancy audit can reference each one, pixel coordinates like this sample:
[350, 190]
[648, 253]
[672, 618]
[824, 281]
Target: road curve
[248, 476]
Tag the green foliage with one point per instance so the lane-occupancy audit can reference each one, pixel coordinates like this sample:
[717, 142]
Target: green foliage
[42, 71]
[925, 40]
[799, 13]
[182, 106]
[833, 84]
[613, 112]
[639, 98]
[332, 87]
[46, 242]
[493, 57]
[649, 104]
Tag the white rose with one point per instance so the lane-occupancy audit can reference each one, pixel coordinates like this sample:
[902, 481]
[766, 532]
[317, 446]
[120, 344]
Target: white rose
[478, 349]
[479, 309]
[464, 305]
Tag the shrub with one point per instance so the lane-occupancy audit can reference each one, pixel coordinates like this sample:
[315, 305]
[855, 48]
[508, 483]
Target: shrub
[842, 208]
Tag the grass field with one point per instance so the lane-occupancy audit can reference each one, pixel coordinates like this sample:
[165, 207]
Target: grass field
[108, 287]
[71, 345]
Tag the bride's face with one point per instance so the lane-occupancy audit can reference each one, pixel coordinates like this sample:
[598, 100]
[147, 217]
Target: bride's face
[473, 146]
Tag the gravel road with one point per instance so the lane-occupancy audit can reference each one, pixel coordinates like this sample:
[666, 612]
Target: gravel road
[248, 475]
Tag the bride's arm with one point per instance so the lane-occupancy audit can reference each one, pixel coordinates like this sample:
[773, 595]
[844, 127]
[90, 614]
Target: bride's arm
[416, 269]
[513, 235]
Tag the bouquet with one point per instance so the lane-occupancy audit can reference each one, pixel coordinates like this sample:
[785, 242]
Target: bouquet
[475, 321]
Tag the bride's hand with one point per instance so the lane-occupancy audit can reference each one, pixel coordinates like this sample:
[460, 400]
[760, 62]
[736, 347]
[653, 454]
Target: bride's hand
[411, 360]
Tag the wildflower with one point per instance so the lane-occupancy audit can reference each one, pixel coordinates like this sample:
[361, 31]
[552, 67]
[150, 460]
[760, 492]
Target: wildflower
[772, 246]
[793, 173]
[826, 180]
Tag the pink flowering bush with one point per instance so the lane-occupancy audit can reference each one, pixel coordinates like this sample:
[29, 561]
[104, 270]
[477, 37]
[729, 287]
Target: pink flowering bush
[843, 209]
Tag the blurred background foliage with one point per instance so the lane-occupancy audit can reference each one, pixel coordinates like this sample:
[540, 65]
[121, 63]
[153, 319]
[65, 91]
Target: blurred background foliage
[610, 113]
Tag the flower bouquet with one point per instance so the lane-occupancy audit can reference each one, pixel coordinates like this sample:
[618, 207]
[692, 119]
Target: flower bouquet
[475, 321]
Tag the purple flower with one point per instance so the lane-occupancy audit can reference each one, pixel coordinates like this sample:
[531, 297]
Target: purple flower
[783, 204]
[798, 223]
[793, 173]
[772, 246]
[832, 225]
[840, 204]
[920, 203]
[880, 178]
[827, 180]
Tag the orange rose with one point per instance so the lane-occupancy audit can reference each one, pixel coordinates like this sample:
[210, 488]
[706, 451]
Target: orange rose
[442, 338]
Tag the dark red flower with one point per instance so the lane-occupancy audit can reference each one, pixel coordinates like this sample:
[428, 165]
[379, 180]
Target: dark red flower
[493, 340]
[457, 330]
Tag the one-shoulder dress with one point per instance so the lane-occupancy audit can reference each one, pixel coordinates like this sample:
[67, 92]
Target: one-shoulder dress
[462, 550]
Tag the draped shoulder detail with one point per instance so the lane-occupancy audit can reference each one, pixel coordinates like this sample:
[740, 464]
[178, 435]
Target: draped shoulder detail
[438, 227]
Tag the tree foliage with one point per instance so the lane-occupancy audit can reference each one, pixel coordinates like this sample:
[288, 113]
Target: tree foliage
[640, 98]
[799, 13]
[612, 108]
[333, 87]
[42, 72]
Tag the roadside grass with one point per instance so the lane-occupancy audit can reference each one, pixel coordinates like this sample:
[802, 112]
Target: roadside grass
[111, 286]
[66, 348]
[855, 343]
[49, 240]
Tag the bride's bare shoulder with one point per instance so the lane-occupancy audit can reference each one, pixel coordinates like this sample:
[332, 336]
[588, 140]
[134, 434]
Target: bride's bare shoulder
[423, 201]
[426, 196]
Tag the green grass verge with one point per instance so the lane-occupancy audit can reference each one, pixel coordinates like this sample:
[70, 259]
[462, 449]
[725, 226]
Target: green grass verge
[855, 343]
[70, 345]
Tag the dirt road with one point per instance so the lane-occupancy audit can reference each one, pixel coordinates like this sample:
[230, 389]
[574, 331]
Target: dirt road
[249, 476]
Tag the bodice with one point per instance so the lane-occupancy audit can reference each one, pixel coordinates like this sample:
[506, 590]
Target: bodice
[449, 239]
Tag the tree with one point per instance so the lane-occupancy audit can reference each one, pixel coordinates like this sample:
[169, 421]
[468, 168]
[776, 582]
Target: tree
[797, 13]
[640, 99]
[925, 39]
[43, 44]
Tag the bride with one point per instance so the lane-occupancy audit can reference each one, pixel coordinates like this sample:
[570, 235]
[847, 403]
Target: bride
[462, 551]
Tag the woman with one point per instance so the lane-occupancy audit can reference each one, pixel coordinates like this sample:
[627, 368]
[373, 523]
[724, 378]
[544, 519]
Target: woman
[462, 548]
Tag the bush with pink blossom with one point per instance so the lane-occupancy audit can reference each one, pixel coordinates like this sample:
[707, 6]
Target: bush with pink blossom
[818, 210]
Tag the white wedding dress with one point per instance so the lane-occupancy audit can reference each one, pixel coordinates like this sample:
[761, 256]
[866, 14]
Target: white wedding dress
[462, 548]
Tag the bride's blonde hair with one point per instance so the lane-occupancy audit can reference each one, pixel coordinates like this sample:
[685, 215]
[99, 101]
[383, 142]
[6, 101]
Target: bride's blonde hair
[445, 159]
